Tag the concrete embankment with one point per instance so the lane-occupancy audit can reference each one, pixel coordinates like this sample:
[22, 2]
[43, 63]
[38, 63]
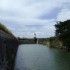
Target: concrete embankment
[8, 49]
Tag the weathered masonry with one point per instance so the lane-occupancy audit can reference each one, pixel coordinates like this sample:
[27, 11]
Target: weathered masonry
[8, 49]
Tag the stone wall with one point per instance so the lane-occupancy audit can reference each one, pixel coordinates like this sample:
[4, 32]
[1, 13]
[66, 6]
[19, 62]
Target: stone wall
[8, 49]
[31, 41]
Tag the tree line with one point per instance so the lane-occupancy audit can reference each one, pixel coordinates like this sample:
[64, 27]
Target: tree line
[63, 33]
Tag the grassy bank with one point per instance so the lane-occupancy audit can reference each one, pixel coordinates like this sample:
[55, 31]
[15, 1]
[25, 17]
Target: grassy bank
[2, 27]
[53, 42]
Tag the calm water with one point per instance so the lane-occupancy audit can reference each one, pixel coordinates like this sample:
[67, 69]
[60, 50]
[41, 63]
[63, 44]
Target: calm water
[40, 57]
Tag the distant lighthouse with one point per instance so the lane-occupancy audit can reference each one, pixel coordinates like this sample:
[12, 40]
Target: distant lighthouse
[35, 39]
[34, 35]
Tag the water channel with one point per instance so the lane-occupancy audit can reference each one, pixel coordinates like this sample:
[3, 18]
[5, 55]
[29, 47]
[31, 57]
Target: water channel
[40, 57]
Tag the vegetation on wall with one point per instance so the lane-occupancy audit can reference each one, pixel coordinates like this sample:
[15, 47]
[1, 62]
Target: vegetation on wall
[3, 28]
[62, 36]
[63, 33]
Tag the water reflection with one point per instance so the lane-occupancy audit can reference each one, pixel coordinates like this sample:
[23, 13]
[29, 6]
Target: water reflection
[39, 57]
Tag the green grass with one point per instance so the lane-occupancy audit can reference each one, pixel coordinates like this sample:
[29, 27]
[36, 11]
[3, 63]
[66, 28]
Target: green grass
[53, 42]
[2, 27]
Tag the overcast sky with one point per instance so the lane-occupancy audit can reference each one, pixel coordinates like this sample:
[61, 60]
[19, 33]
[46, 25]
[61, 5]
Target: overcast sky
[26, 17]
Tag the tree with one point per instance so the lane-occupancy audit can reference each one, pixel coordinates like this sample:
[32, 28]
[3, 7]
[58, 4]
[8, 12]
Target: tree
[63, 32]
